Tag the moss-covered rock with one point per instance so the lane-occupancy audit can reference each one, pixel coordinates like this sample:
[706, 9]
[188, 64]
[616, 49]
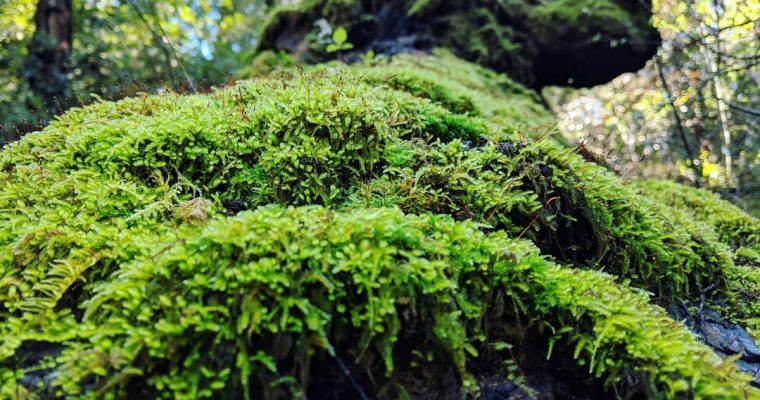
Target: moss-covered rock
[539, 43]
[733, 226]
[406, 214]
[719, 224]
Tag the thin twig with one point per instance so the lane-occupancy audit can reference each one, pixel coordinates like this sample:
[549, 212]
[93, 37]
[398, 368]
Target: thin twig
[702, 295]
[746, 110]
[165, 40]
[677, 118]
[538, 214]
[347, 373]
[357, 388]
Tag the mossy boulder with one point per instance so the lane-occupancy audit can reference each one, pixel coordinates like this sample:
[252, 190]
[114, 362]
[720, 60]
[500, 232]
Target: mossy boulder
[383, 229]
[538, 43]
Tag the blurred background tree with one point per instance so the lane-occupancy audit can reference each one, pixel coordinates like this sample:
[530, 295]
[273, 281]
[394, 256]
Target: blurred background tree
[55, 54]
[693, 113]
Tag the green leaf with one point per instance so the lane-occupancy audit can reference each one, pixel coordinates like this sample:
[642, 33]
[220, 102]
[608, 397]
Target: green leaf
[340, 36]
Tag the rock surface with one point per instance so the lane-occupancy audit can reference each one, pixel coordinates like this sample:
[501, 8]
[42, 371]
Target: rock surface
[725, 338]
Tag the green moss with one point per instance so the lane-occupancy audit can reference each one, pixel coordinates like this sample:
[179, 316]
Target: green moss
[513, 36]
[319, 277]
[421, 6]
[716, 223]
[424, 85]
[748, 254]
[267, 62]
[118, 253]
[479, 36]
[573, 210]
[580, 12]
[458, 86]
[733, 226]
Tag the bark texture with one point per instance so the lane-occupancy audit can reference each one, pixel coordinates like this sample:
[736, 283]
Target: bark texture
[47, 64]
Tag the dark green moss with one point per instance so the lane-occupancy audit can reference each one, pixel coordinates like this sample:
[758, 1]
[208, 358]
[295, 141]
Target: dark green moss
[556, 42]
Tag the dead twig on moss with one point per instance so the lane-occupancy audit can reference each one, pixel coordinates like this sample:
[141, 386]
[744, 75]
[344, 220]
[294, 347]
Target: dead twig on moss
[538, 214]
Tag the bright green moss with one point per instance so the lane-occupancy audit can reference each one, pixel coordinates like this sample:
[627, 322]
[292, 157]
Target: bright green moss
[424, 85]
[717, 224]
[119, 256]
[748, 254]
[421, 6]
[734, 227]
[573, 210]
[451, 83]
[318, 277]
[462, 87]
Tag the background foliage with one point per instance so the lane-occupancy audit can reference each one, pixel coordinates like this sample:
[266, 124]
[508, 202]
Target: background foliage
[123, 47]
[693, 113]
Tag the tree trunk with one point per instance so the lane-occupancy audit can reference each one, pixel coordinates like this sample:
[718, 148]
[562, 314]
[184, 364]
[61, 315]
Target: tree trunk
[47, 64]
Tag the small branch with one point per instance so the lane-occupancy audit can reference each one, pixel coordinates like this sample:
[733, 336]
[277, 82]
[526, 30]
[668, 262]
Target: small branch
[702, 295]
[677, 118]
[696, 39]
[744, 67]
[347, 373]
[538, 214]
[746, 110]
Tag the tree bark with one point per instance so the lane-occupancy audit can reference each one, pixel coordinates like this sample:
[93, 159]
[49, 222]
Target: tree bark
[47, 64]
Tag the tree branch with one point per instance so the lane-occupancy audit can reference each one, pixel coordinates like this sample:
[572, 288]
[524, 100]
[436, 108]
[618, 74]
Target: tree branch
[746, 110]
[677, 118]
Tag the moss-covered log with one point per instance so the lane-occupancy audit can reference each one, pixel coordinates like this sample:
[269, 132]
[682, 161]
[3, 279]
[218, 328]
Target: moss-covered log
[404, 215]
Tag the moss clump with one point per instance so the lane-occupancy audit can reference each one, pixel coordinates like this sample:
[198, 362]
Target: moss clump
[734, 227]
[573, 210]
[202, 319]
[467, 89]
[125, 274]
[557, 42]
[584, 14]
[718, 224]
